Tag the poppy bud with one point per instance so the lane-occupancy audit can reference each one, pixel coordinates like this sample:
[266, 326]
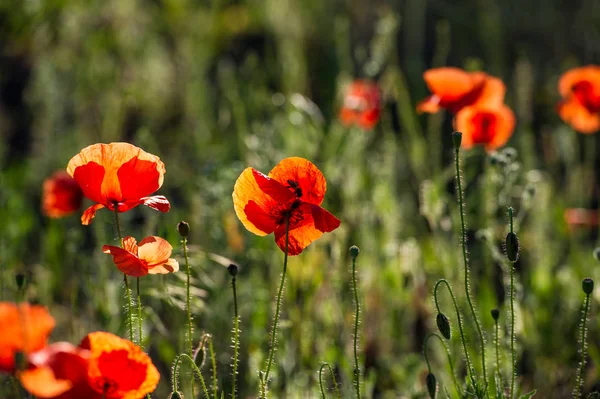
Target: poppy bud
[512, 247]
[233, 270]
[443, 325]
[495, 314]
[587, 285]
[176, 395]
[597, 254]
[354, 251]
[183, 228]
[431, 385]
[20, 279]
[456, 139]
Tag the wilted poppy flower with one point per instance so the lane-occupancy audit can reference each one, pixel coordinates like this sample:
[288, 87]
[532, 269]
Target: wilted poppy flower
[454, 89]
[61, 195]
[362, 104]
[118, 175]
[294, 191]
[151, 256]
[23, 328]
[580, 89]
[485, 125]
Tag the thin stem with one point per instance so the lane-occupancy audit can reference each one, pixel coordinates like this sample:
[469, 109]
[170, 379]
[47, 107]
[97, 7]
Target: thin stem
[356, 321]
[190, 341]
[466, 263]
[335, 384]
[213, 361]
[456, 386]
[583, 338]
[125, 280]
[15, 386]
[460, 324]
[174, 382]
[273, 347]
[497, 348]
[236, 340]
[513, 352]
[139, 309]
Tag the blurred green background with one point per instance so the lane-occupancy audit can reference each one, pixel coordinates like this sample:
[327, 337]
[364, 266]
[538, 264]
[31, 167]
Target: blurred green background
[214, 86]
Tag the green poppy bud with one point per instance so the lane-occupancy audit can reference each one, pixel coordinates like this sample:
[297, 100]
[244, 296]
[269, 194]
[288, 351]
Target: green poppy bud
[176, 395]
[495, 314]
[20, 279]
[587, 285]
[354, 251]
[456, 139]
[443, 325]
[512, 247]
[431, 385]
[183, 228]
[233, 270]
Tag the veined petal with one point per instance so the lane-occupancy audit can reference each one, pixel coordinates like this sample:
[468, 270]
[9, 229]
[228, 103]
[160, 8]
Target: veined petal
[90, 213]
[157, 202]
[249, 199]
[89, 176]
[126, 262]
[324, 221]
[154, 250]
[139, 178]
[170, 266]
[305, 174]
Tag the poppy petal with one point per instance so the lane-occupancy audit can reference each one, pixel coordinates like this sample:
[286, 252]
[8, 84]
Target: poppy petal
[157, 202]
[348, 116]
[304, 173]
[252, 205]
[89, 177]
[42, 382]
[90, 213]
[275, 189]
[61, 195]
[589, 73]
[492, 92]
[578, 116]
[130, 245]
[430, 104]
[126, 262]
[490, 126]
[170, 266]
[154, 250]
[324, 221]
[139, 178]
[451, 84]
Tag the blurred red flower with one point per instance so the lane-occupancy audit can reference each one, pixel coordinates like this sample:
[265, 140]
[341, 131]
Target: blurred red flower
[454, 89]
[61, 195]
[581, 217]
[485, 125]
[362, 104]
[151, 256]
[23, 328]
[580, 89]
[294, 190]
[118, 175]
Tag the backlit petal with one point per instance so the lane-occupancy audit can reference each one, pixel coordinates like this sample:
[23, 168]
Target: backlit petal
[305, 174]
[324, 221]
[246, 190]
[590, 73]
[501, 123]
[451, 84]
[89, 177]
[154, 250]
[275, 189]
[126, 262]
[61, 195]
[42, 382]
[90, 213]
[130, 245]
[157, 202]
[170, 266]
[579, 117]
[139, 178]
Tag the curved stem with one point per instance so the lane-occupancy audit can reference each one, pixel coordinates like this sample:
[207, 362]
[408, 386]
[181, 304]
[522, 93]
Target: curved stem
[356, 321]
[273, 348]
[513, 352]
[583, 338]
[125, 280]
[188, 308]
[174, 382]
[456, 386]
[460, 324]
[335, 384]
[466, 264]
[213, 361]
[236, 340]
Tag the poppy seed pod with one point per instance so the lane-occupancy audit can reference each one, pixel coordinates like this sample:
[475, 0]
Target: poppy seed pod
[233, 270]
[456, 139]
[20, 279]
[354, 251]
[512, 247]
[176, 395]
[183, 228]
[431, 385]
[597, 254]
[587, 285]
[495, 314]
[443, 325]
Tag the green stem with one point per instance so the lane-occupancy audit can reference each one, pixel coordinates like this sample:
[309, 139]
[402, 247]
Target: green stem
[497, 348]
[213, 361]
[460, 324]
[335, 384]
[190, 341]
[356, 321]
[236, 340]
[456, 386]
[174, 382]
[273, 347]
[466, 263]
[125, 280]
[139, 310]
[583, 338]
[513, 352]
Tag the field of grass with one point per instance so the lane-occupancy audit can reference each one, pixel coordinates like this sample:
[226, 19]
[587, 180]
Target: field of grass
[215, 86]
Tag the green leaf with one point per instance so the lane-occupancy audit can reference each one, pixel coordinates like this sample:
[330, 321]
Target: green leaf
[528, 394]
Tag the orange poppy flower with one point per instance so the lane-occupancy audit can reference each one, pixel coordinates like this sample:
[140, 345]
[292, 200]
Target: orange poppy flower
[580, 217]
[61, 195]
[454, 89]
[118, 367]
[151, 256]
[23, 328]
[294, 190]
[580, 88]
[362, 104]
[489, 126]
[118, 174]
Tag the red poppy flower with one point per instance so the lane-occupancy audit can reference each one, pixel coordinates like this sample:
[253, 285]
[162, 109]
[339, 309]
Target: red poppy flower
[362, 105]
[580, 88]
[151, 256]
[23, 328]
[489, 126]
[294, 190]
[580, 217]
[61, 195]
[103, 366]
[455, 89]
[118, 174]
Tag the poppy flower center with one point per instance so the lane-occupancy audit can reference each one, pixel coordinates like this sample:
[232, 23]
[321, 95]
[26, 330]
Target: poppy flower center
[106, 385]
[584, 93]
[485, 126]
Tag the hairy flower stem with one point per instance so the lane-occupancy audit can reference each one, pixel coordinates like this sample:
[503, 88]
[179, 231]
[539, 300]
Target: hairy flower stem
[213, 361]
[175, 374]
[273, 346]
[513, 352]
[470, 370]
[335, 384]
[356, 321]
[456, 386]
[190, 342]
[583, 339]
[139, 309]
[497, 349]
[236, 339]
[125, 280]
[466, 263]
